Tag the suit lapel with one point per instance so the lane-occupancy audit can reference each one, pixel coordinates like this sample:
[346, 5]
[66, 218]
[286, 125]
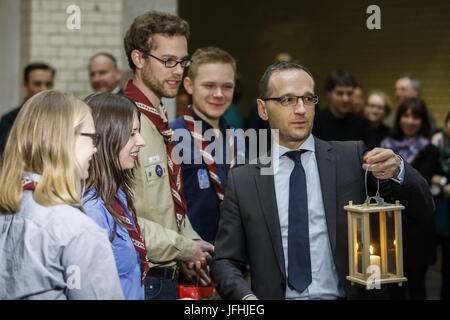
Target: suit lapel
[265, 186]
[327, 173]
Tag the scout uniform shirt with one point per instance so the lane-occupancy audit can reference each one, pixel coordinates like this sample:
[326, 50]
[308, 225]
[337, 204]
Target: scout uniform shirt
[154, 203]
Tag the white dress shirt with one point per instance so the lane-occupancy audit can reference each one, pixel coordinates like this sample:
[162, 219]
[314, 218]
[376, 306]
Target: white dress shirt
[325, 281]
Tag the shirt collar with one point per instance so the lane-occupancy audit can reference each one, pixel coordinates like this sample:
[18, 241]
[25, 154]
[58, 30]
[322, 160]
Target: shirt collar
[307, 145]
[31, 176]
[116, 90]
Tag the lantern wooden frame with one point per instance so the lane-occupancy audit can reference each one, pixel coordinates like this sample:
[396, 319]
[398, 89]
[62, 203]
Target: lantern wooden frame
[359, 217]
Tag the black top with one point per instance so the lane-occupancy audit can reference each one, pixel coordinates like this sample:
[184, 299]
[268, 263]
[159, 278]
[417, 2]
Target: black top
[352, 127]
[381, 132]
[6, 124]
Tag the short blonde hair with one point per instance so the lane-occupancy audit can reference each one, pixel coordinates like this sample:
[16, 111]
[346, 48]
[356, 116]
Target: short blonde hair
[42, 141]
[386, 99]
[209, 55]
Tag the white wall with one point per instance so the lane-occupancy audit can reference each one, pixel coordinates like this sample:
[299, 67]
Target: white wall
[44, 37]
[10, 81]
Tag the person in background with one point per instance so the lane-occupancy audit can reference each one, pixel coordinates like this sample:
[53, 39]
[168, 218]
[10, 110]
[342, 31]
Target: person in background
[37, 77]
[108, 198]
[410, 138]
[232, 114]
[49, 249]
[377, 108]
[441, 185]
[183, 100]
[338, 122]
[409, 86]
[104, 74]
[358, 101]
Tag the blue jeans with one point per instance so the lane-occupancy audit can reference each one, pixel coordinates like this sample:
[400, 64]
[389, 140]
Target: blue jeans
[161, 289]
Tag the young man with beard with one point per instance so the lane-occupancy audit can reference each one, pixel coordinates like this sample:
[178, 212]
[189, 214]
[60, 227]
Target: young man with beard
[156, 48]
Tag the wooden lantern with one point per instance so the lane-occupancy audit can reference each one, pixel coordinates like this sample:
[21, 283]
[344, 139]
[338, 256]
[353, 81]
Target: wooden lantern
[375, 243]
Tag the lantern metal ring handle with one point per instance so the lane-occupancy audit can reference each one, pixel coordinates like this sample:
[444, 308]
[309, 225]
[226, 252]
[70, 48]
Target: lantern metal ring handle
[377, 196]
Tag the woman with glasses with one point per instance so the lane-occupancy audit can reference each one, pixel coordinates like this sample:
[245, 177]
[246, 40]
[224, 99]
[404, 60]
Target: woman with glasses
[108, 198]
[376, 110]
[49, 249]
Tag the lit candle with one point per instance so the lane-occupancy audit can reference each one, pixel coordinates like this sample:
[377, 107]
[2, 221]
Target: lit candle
[374, 259]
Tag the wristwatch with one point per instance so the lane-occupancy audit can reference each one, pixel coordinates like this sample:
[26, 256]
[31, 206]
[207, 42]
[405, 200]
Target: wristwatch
[443, 181]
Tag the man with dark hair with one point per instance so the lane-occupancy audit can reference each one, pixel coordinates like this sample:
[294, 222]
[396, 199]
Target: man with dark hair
[358, 100]
[104, 74]
[156, 48]
[290, 224]
[37, 77]
[338, 122]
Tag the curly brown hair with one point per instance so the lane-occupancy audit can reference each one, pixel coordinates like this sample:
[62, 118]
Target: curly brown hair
[139, 35]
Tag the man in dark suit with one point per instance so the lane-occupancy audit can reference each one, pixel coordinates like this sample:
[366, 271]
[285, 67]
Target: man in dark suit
[104, 73]
[37, 77]
[290, 226]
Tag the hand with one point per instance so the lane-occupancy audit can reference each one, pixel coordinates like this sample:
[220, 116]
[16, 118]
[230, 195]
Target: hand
[191, 275]
[203, 255]
[251, 298]
[436, 179]
[446, 191]
[383, 163]
[205, 278]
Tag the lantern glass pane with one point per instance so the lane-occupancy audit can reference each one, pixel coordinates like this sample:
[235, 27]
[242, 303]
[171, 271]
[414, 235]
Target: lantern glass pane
[359, 245]
[375, 244]
[391, 243]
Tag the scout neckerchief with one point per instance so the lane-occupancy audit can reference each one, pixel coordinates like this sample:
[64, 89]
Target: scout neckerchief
[206, 154]
[28, 184]
[176, 182]
[136, 238]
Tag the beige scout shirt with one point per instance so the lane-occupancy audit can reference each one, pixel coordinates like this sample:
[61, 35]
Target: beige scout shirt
[154, 204]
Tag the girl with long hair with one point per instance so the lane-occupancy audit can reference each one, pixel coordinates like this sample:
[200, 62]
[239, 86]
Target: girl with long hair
[49, 249]
[108, 198]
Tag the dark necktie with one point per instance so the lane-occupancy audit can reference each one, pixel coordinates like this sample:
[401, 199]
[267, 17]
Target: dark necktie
[299, 261]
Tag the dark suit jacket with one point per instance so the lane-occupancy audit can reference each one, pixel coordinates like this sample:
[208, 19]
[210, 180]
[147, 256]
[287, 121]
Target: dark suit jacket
[6, 123]
[249, 228]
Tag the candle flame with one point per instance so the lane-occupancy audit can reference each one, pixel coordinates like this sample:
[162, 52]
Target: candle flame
[371, 249]
[395, 242]
[357, 246]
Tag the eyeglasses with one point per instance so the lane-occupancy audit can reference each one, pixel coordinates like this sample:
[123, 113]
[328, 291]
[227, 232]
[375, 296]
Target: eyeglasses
[374, 106]
[292, 101]
[172, 63]
[94, 136]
